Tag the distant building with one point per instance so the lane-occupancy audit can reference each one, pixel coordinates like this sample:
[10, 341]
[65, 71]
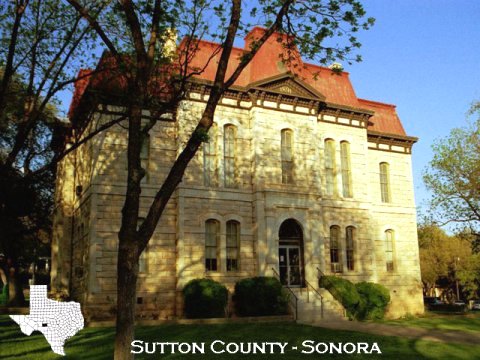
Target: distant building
[300, 177]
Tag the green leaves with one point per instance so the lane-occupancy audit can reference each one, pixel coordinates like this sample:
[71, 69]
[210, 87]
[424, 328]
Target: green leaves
[453, 176]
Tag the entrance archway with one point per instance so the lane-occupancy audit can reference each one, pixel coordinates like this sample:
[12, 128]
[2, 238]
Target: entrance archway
[290, 253]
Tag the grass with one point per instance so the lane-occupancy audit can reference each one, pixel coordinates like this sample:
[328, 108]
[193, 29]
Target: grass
[469, 322]
[97, 343]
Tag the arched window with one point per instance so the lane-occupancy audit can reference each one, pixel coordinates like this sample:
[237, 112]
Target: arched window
[210, 172]
[335, 255]
[389, 239]
[346, 169]
[233, 245]
[330, 167]
[385, 182]
[287, 156]
[229, 155]
[350, 244]
[212, 243]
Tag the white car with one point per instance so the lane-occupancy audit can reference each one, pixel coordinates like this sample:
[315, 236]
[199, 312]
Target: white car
[476, 305]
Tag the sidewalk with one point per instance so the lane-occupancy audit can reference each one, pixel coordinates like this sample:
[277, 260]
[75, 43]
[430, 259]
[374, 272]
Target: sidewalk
[447, 336]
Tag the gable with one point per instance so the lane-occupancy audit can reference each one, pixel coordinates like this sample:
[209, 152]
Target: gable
[287, 84]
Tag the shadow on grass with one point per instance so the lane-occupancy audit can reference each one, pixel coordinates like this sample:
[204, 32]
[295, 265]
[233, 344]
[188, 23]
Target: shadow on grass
[97, 343]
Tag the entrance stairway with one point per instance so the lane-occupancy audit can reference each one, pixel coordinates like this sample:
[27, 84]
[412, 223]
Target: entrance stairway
[317, 306]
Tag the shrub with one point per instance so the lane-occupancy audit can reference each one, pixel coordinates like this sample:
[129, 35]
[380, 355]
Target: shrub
[345, 292]
[260, 296]
[376, 298]
[364, 300]
[204, 298]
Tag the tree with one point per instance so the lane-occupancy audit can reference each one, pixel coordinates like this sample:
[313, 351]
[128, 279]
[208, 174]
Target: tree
[448, 261]
[40, 41]
[453, 176]
[136, 35]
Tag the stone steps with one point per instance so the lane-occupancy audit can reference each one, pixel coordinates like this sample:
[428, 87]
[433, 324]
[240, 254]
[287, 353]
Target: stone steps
[313, 308]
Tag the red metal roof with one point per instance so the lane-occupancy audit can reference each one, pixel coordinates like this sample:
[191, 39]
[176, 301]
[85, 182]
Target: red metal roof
[336, 87]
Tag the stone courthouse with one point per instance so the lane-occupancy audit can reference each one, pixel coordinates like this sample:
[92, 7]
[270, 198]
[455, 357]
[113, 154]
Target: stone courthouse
[300, 178]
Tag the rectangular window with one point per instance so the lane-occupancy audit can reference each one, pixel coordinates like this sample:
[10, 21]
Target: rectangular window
[335, 257]
[145, 157]
[143, 260]
[330, 166]
[229, 156]
[287, 156]
[233, 241]
[389, 235]
[385, 182]
[350, 239]
[212, 235]
[346, 169]
[210, 173]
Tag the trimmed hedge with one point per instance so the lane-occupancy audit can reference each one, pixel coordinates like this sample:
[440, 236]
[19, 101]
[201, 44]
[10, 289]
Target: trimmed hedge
[204, 298]
[364, 300]
[260, 296]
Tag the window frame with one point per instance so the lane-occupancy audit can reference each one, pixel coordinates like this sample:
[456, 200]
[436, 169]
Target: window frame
[233, 264]
[287, 156]
[335, 251]
[346, 167]
[210, 168]
[229, 157]
[330, 167]
[350, 239]
[212, 263]
[390, 250]
[385, 191]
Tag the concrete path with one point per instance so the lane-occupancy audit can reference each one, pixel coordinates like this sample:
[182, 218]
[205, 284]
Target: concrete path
[447, 336]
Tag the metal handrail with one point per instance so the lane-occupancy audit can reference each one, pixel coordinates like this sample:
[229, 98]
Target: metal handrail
[277, 275]
[323, 274]
[316, 292]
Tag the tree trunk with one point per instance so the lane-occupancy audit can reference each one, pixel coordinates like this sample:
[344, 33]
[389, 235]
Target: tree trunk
[127, 271]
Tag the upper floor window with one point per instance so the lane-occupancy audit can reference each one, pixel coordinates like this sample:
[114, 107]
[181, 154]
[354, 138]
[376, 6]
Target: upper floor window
[349, 242]
[145, 156]
[346, 169]
[330, 166]
[143, 259]
[233, 245]
[335, 255]
[385, 182]
[212, 243]
[229, 155]
[210, 172]
[389, 239]
[287, 156]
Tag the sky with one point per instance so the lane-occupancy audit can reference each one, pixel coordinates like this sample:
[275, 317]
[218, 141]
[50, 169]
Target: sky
[424, 57]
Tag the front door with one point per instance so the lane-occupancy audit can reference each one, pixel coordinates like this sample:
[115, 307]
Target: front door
[290, 265]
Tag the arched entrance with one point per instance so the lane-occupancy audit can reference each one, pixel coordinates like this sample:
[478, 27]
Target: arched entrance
[290, 253]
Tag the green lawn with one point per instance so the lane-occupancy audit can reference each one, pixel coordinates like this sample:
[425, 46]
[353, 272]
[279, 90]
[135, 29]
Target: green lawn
[95, 344]
[469, 322]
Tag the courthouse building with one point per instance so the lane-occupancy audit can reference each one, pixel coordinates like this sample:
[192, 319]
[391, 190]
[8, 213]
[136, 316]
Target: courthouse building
[300, 178]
